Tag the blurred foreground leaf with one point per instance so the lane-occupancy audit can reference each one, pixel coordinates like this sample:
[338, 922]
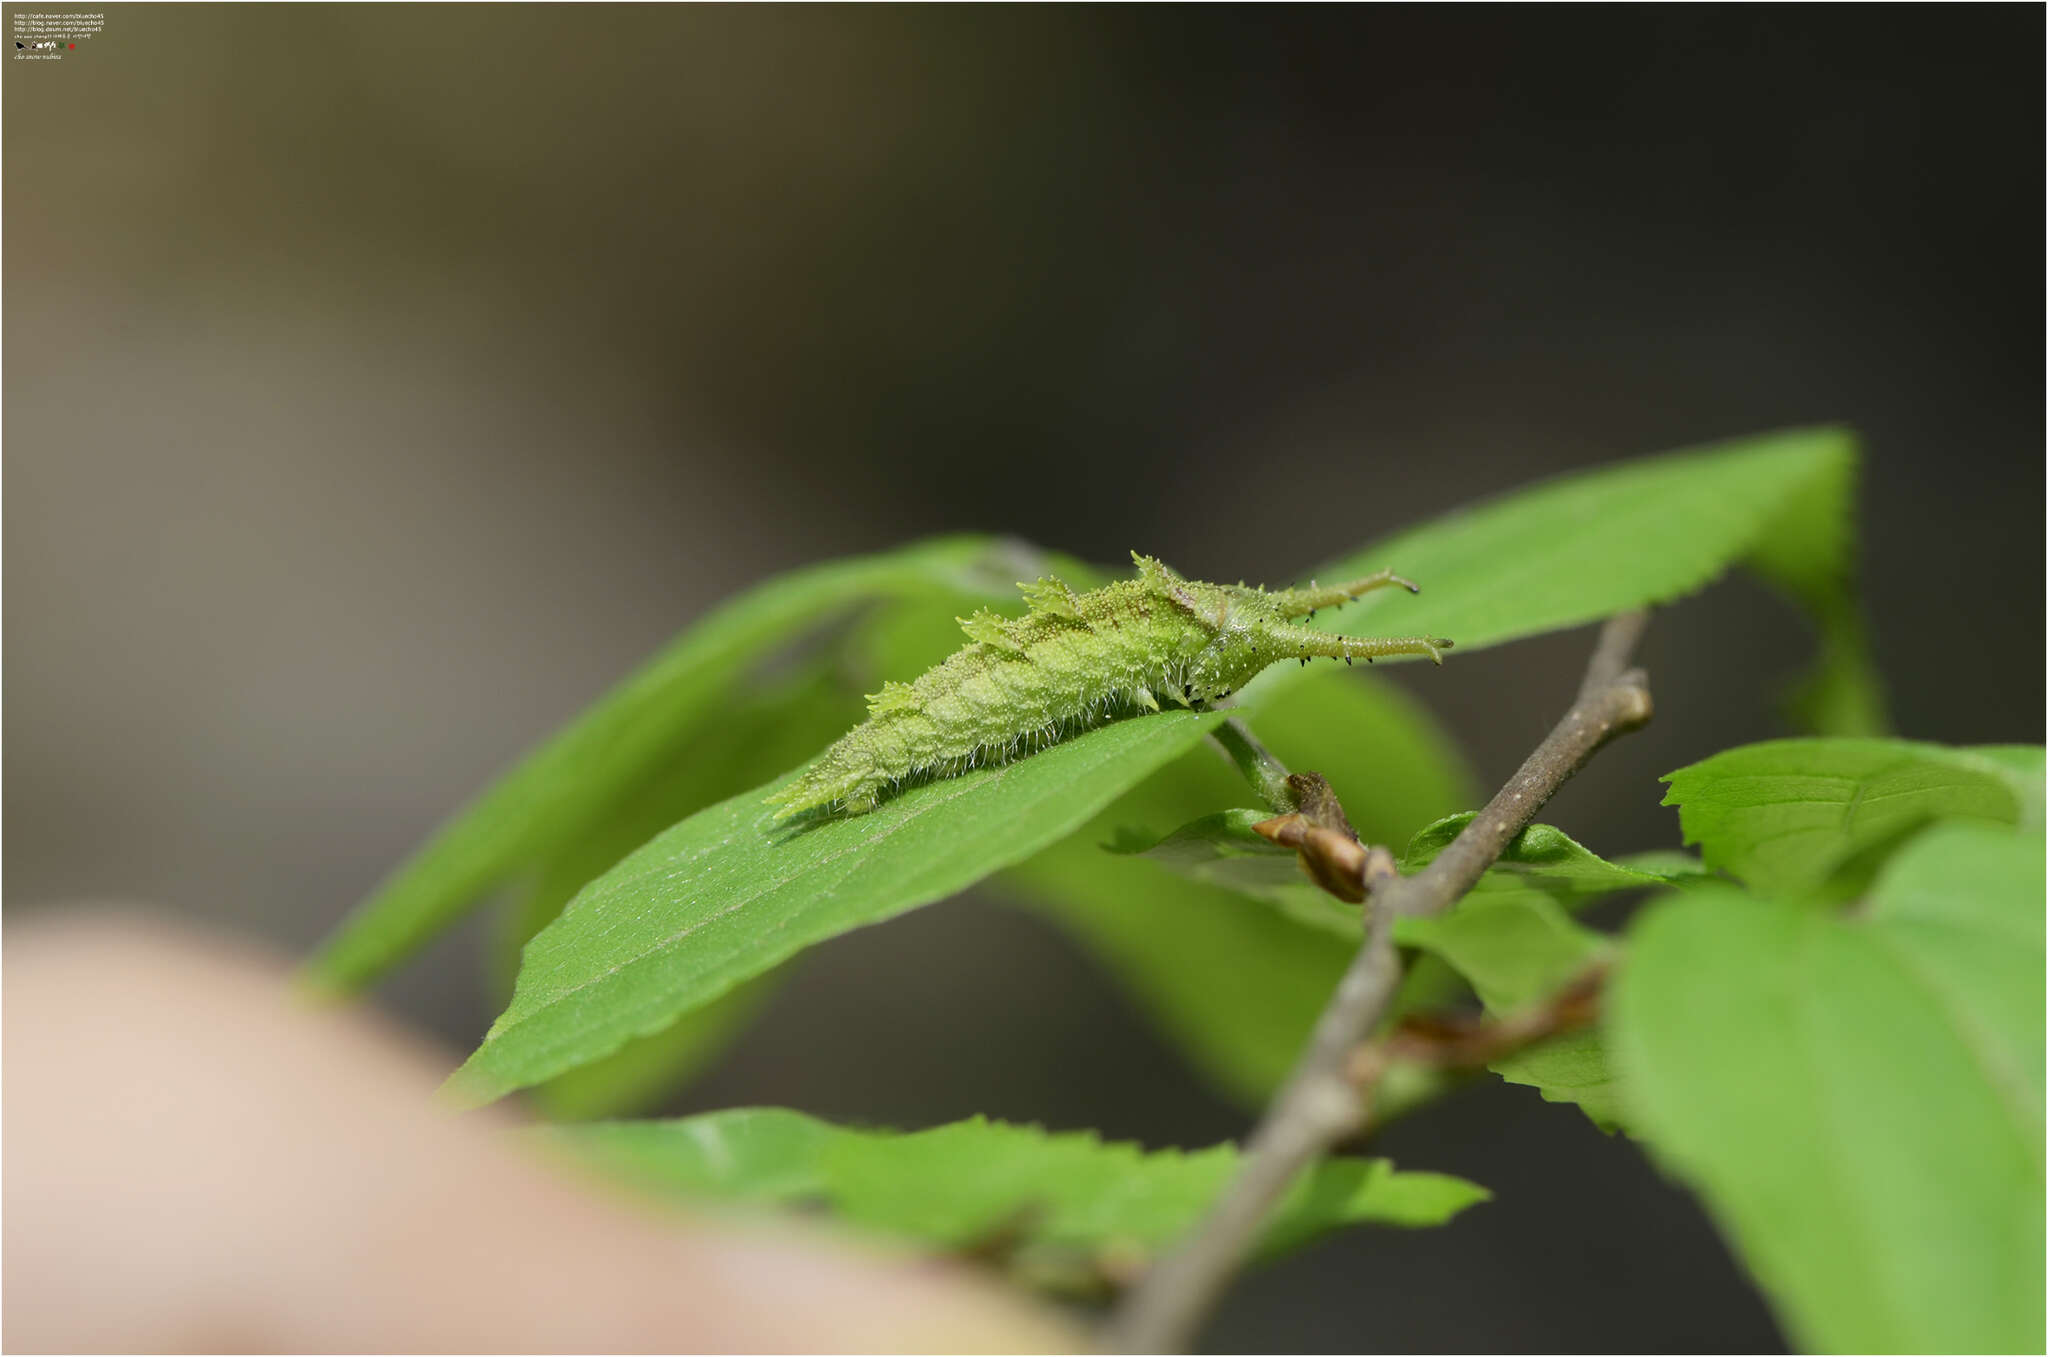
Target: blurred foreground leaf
[1786, 816]
[1055, 1207]
[1858, 1097]
[729, 893]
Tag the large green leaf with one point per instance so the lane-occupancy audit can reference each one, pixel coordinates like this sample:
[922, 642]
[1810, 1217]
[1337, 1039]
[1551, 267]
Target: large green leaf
[729, 892]
[1807, 552]
[773, 724]
[1858, 1096]
[1586, 546]
[577, 777]
[647, 1071]
[1786, 816]
[777, 723]
[1054, 1205]
[783, 721]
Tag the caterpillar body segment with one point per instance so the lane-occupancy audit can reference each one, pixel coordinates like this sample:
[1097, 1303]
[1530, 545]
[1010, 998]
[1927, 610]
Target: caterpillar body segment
[1075, 661]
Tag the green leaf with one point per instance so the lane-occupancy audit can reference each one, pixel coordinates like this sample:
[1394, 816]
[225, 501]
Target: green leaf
[1232, 983]
[1545, 857]
[1573, 1068]
[1807, 553]
[1052, 1203]
[1222, 850]
[1792, 816]
[1516, 947]
[1858, 1099]
[1673, 864]
[1513, 940]
[1583, 547]
[785, 722]
[576, 777]
[2026, 763]
[782, 723]
[646, 1070]
[775, 724]
[728, 893]
[1962, 907]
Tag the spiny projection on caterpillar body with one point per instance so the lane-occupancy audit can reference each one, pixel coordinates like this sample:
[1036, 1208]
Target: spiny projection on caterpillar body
[1074, 661]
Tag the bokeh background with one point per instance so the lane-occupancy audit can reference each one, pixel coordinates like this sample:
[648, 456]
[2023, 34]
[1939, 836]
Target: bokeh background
[383, 382]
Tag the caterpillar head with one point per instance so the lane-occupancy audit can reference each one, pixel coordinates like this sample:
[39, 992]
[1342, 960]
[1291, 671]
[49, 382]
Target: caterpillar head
[1244, 622]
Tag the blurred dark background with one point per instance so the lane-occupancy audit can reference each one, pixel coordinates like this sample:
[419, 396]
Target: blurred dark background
[383, 382]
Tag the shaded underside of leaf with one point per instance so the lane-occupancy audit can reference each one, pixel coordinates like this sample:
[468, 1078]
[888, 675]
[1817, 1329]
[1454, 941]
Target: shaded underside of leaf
[1858, 1099]
[976, 1184]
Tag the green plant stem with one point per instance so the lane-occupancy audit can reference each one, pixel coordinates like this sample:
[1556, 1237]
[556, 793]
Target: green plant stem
[1322, 1101]
[1267, 775]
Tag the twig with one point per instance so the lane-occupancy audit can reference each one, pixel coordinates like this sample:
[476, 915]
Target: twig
[1461, 1041]
[1267, 774]
[1324, 841]
[1320, 1103]
[1618, 640]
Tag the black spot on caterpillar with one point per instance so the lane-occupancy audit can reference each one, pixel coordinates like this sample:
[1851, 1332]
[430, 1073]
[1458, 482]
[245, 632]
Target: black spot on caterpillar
[1075, 661]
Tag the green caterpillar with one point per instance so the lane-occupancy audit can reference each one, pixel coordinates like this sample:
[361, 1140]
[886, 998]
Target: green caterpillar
[1073, 662]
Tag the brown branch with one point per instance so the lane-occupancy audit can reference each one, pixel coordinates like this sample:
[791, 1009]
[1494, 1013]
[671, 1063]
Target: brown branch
[1464, 1041]
[1321, 1103]
[1618, 640]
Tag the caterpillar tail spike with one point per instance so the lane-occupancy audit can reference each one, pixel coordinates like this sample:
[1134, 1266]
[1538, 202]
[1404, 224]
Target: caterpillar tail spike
[1078, 660]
